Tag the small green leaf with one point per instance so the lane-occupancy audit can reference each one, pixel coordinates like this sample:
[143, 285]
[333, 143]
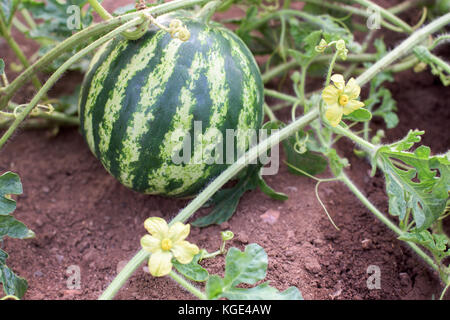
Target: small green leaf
[2, 66]
[262, 292]
[12, 284]
[360, 115]
[13, 228]
[9, 184]
[336, 163]
[247, 267]
[193, 271]
[7, 10]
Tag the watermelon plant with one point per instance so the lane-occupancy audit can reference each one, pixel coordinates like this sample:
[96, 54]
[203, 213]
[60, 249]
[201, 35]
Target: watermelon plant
[170, 78]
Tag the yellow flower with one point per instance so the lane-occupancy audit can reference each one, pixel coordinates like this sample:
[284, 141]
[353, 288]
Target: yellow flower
[166, 242]
[341, 98]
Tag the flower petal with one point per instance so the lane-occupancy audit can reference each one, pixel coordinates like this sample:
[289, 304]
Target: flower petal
[330, 95]
[352, 105]
[150, 243]
[352, 89]
[184, 251]
[334, 114]
[179, 232]
[338, 80]
[160, 263]
[157, 227]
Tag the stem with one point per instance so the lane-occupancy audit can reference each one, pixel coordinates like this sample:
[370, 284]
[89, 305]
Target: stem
[102, 12]
[28, 18]
[187, 285]
[343, 177]
[403, 48]
[370, 148]
[209, 191]
[95, 30]
[269, 113]
[58, 73]
[330, 68]
[282, 96]
[208, 10]
[272, 73]
[444, 291]
[19, 53]
[274, 139]
[124, 274]
[386, 14]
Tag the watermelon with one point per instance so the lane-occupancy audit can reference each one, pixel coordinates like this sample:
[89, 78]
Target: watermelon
[138, 95]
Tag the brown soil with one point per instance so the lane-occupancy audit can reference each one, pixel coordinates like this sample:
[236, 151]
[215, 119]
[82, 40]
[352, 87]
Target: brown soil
[83, 217]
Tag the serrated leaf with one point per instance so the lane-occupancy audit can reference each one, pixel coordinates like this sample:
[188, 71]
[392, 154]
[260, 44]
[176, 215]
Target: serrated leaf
[419, 188]
[192, 270]
[436, 243]
[247, 267]
[337, 164]
[9, 184]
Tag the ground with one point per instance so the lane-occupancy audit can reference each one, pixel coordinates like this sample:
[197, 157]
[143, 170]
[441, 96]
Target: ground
[82, 216]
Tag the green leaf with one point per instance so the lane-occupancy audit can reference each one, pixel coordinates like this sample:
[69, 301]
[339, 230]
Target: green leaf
[7, 10]
[266, 189]
[360, 115]
[9, 184]
[225, 201]
[12, 284]
[336, 163]
[13, 228]
[2, 66]
[436, 243]
[262, 292]
[192, 270]
[247, 267]
[418, 187]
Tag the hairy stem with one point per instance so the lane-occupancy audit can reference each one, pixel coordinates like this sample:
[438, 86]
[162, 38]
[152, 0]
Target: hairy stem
[187, 285]
[17, 50]
[58, 73]
[95, 30]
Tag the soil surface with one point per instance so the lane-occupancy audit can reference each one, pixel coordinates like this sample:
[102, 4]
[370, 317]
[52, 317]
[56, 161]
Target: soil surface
[83, 217]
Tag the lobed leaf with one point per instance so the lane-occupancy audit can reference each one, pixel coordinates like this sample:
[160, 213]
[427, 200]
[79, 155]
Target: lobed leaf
[415, 181]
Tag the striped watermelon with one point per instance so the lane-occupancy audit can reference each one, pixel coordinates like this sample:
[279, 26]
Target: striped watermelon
[136, 94]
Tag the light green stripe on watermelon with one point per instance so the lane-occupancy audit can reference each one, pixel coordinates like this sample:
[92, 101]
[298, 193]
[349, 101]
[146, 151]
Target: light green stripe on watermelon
[181, 126]
[139, 123]
[115, 101]
[218, 91]
[96, 87]
[247, 116]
